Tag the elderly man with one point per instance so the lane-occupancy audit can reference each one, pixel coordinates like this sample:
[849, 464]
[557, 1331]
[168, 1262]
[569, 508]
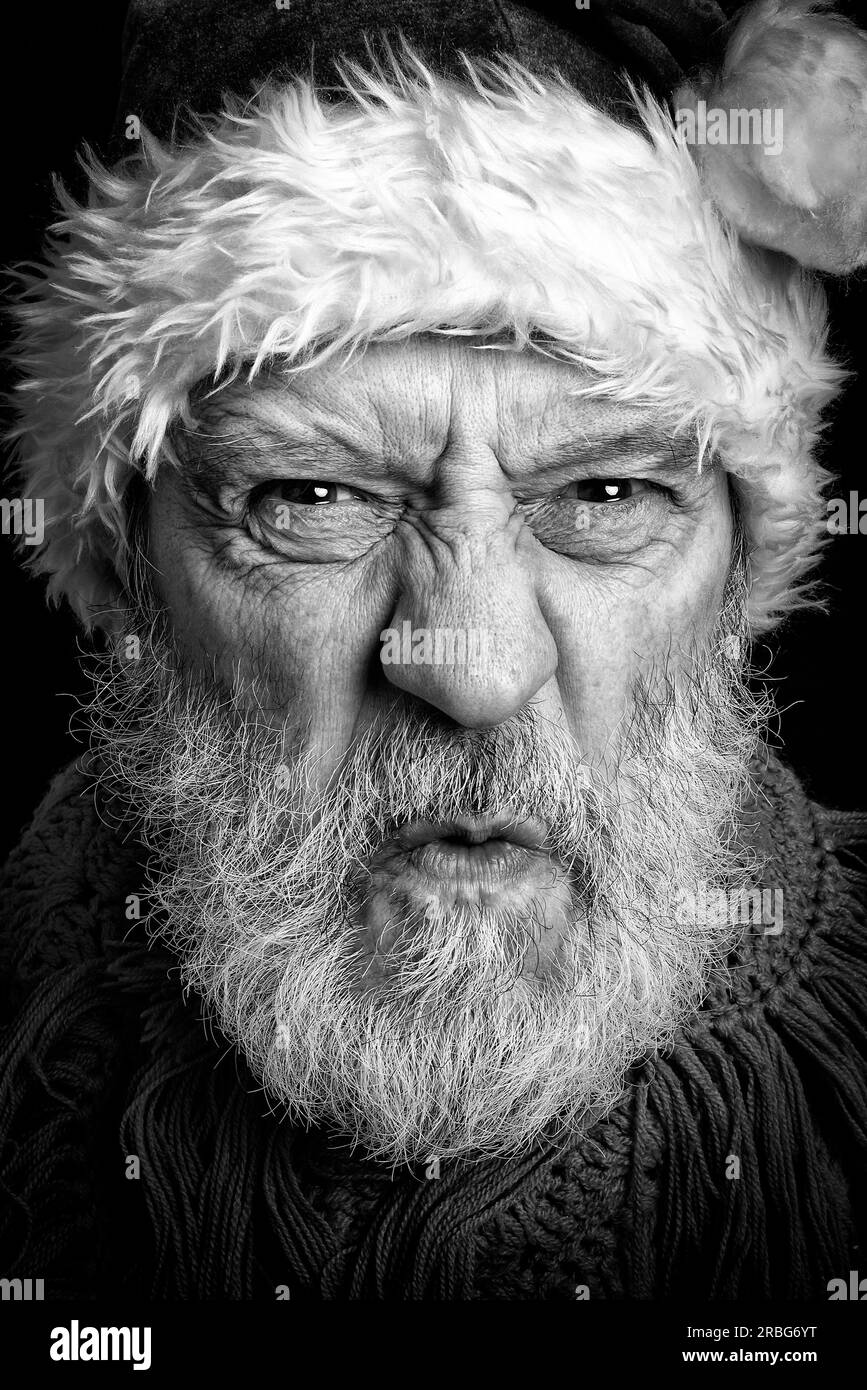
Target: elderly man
[427, 438]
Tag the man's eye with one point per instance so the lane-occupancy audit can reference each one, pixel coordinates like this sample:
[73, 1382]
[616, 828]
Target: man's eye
[602, 516]
[313, 520]
[304, 493]
[600, 490]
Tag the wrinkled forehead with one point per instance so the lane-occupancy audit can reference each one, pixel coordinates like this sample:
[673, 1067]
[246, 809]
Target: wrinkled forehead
[419, 396]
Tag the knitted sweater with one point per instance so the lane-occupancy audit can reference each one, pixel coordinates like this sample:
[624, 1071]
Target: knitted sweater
[103, 1062]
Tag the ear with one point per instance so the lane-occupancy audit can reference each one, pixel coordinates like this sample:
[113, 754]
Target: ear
[802, 188]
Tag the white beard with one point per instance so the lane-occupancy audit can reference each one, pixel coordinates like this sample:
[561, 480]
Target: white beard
[448, 1034]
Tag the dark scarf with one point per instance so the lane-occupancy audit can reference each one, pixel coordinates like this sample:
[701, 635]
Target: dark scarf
[102, 1059]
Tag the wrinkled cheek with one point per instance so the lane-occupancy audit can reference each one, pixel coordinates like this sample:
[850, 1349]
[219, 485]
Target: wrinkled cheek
[226, 630]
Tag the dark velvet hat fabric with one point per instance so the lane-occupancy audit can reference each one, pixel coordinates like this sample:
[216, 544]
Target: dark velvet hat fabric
[181, 56]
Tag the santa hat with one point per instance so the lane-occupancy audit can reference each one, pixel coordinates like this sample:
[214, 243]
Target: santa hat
[468, 169]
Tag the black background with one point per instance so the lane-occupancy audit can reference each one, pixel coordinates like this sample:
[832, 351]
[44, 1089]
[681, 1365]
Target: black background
[62, 69]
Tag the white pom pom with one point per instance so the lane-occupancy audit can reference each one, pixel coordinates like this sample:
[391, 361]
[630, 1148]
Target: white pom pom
[798, 182]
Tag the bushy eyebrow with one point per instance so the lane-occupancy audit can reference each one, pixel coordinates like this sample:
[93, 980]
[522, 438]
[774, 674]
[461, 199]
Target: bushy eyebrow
[652, 444]
[218, 458]
[215, 457]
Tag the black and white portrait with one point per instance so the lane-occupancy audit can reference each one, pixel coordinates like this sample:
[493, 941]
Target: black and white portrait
[436, 561]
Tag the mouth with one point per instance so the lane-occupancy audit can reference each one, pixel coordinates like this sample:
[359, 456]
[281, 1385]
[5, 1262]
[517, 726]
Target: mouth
[474, 852]
[504, 864]
[476, 831]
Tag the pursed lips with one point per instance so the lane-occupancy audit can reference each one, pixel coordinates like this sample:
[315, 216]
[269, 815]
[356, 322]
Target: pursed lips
[503, 863]
[475, 830]
[474, 849]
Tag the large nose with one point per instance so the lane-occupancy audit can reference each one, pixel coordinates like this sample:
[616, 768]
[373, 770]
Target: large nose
[467, 634]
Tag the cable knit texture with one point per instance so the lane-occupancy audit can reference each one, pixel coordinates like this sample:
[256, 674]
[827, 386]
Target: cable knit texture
[102, 1059]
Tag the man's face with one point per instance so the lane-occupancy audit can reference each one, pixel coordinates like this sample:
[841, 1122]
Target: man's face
[444, 709]
[457, 489]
